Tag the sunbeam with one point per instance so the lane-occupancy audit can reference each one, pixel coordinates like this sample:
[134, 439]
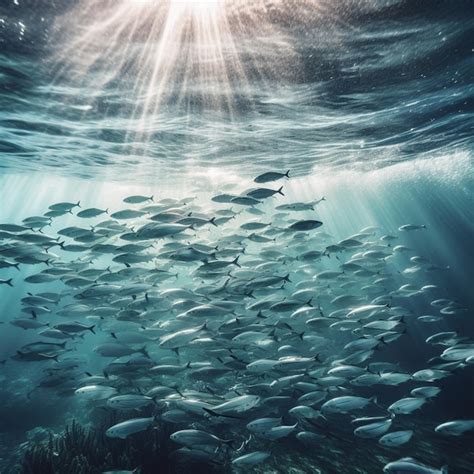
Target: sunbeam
[191, 55]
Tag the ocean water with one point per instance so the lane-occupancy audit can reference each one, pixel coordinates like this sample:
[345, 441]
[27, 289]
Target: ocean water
[367, 103]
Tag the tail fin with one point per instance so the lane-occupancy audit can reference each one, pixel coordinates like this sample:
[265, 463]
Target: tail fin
[213, 221]
[287, 174]
[144, 352]
[279, 191]
[236, 261]
[8, 282]
[91, 329]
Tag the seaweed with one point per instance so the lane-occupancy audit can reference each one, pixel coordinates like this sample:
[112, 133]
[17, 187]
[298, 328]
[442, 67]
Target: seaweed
[80, 450]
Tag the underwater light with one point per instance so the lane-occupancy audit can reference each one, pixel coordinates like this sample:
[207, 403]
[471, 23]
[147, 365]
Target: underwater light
[181, 55]
[198, 4]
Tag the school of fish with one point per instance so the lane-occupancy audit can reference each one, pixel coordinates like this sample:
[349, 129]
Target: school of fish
[239, 322]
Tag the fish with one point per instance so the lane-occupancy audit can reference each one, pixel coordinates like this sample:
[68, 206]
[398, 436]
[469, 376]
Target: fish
[91, 212]
[232, 322]
[264, 193]
[127, 428]
[373, 430]
[192, 438]
[129, 402]
[407, 405]
[96, 392]
[425, 392]
[412, 466]
[346, 404]
[271, 176]
[137, 199]
[305, 225]
[455, 428]
[396, 438]
[251, 459]
[235, 406]
[411, 227]
[74, 327]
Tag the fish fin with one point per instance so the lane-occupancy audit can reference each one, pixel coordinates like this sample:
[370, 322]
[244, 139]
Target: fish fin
[144, 352]
[91, 329]
[236, 261]
[287, 174]
[213, 221]
[9, 282]
[279, 191]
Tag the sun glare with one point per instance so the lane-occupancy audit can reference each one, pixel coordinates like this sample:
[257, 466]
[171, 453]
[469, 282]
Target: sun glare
[179, 55]
[198, 4]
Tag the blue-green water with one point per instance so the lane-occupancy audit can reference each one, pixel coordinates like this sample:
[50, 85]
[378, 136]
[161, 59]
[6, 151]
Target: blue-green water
[372, 110]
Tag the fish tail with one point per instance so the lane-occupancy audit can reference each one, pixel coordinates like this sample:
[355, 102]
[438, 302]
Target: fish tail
[144, 352]
[279, 191]
[91, 329]
[287, 174]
